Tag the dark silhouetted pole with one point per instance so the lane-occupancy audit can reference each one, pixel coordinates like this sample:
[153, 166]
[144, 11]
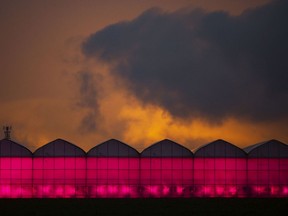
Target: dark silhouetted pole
[7, 131]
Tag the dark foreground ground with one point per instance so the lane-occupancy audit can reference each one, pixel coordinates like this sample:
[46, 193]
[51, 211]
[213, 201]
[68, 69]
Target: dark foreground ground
[151, 207]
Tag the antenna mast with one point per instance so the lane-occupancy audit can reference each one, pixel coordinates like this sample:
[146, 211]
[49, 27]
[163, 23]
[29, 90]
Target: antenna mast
[7, 132]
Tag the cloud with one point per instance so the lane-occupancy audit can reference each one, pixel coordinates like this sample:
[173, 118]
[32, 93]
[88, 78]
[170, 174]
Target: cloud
[88, 100]
[198, 64]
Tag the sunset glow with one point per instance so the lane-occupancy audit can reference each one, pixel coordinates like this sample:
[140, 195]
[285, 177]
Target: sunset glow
[143, 71]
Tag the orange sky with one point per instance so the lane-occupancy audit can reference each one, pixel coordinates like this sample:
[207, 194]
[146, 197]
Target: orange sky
[40, 59]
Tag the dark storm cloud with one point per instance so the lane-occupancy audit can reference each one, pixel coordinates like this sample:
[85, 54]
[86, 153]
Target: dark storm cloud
[89, 100]
[194, 63]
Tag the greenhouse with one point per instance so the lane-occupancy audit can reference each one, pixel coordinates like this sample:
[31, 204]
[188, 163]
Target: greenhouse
[114, 169]
[268, 169]
[59, 170]
[166, 170]
[15, 170]
[220, 170]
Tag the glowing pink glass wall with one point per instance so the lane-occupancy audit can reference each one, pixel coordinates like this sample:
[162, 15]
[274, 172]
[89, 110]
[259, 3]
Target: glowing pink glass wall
[59, 177]
[113, 170]
[165, 169]
[16, 177]
[15, 170]
[267, 169]
[220, 170]
[268, 177]
[166, 177]
[220, 177]
[112, 177]
[59, 170]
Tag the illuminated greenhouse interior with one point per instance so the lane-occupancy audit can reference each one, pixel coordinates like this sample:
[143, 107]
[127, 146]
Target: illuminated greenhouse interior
[114, 169]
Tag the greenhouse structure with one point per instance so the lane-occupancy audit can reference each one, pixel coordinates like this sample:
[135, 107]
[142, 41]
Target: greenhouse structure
[267, 169]
[166, 170]
[15, 170]
[220, 170]
[59, 170]
[114, 169]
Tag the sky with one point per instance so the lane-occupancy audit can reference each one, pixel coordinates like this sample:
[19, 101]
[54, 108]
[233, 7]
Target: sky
[144, 70]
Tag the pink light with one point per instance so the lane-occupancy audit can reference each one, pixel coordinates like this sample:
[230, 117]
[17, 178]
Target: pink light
[126, 190]
[59, 176]
[46, 189]
[164, 177]
[259, 189]
[59, 191]
[134, 177]
[112, 189]
[112, 176]
[154, 190]
[179, 190]
[274, 190]
[5, 190]
[15, 174]
[207, 190]
[214, 176]
[285, 190]
[17, 191]
[267, 174]
[70, 190]
[220, 190]
[165, 190]
[232, 190]
[101, 189]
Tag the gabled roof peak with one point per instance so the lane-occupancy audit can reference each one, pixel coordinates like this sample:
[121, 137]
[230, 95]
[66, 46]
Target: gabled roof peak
[9, 148]
[166, 148]
[59, 148]
[113, 148]
[271, 148]
[219, 148]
